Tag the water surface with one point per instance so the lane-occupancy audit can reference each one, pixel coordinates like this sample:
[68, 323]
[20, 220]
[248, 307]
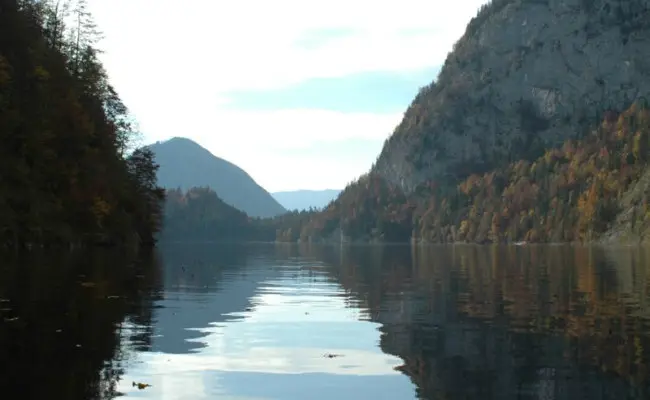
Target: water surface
[208, 321]
[253, 323]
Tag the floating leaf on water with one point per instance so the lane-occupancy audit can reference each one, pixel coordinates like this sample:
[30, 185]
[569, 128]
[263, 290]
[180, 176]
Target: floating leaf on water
[141, 385]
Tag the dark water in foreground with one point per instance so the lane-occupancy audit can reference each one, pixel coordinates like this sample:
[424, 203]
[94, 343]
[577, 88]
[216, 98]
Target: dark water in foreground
[255, 322]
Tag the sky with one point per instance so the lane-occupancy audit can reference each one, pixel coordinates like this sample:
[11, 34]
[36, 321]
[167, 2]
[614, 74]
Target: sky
[300, 94]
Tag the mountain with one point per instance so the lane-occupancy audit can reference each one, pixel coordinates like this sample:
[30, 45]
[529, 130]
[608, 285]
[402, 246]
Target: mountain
[199, 214]
[537, 130]
[305, 199]
[525, 76]
[185, 164]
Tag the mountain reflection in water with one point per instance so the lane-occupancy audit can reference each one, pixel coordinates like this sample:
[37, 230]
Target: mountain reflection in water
[207, 321]
[535, 322]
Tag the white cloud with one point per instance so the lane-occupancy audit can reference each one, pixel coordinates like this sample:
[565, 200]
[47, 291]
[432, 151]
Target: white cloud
[258, 141]
[229, 45]
[271, 130]
[174, 62]
[276, 337]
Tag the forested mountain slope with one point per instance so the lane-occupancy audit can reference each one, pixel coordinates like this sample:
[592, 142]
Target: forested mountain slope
[590, 189]
[536, 129]
[525, 76]
[65, 176]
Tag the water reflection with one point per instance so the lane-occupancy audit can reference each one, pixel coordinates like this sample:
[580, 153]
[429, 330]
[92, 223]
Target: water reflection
[307, 322]
[60, 319]
[539, 322]
[253, 322]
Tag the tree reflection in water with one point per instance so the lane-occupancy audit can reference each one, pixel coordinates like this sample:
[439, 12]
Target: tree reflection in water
[64, 319]
[542, 322]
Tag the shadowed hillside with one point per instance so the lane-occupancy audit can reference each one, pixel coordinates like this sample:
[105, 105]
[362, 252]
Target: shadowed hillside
[68, 175]
[185, 164]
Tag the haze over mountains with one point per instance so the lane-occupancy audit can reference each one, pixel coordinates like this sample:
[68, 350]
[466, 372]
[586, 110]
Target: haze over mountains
[185, 164]
[305, 199]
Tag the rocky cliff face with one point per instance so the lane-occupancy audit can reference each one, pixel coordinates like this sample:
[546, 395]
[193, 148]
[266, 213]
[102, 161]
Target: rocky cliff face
[632, 224]
[526, 75]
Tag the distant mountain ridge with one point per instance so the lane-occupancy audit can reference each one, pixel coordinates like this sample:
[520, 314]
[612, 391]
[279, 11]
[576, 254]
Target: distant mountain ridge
[305, 199]
[186, 164]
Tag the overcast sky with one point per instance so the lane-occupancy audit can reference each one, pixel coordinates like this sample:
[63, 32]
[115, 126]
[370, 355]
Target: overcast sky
[300, 94]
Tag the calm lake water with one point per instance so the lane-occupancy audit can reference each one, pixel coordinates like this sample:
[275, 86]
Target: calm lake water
[254, 322]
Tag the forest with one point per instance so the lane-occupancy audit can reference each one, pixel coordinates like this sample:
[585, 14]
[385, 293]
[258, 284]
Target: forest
[199, 214]
[71, 171]
[576, 192]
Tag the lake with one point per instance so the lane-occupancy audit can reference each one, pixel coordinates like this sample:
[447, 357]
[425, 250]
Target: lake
[266, 321]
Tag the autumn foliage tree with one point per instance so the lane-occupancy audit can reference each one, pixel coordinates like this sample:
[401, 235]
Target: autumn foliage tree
[576, 192]
[66, 173]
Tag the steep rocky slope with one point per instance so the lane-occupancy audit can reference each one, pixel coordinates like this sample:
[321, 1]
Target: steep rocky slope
[632, 224]
[596, 188]
[526, 75]
[537, 129]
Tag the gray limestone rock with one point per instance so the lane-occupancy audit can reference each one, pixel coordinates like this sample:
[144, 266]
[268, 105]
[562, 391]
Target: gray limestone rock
[527, 75]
